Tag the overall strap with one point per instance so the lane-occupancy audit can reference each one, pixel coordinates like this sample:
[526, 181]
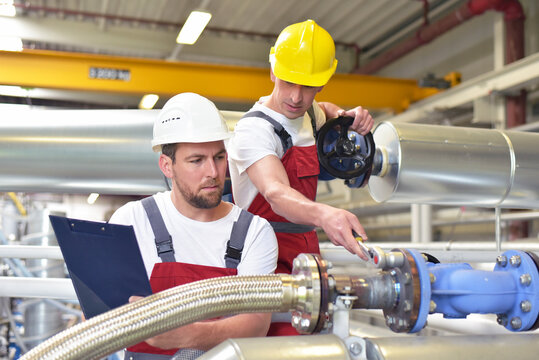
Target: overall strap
[286, 140]
[163, 240]
[234, 246]
[310, 112]
[129, 355]
[290, 228]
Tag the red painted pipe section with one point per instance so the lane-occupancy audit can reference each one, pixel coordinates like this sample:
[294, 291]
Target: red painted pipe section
[513, 15]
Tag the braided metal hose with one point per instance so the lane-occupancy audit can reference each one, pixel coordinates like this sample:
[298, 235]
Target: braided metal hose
[132, 323]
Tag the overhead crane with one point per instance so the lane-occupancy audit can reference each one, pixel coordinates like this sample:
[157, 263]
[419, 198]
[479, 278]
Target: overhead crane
[139, 76]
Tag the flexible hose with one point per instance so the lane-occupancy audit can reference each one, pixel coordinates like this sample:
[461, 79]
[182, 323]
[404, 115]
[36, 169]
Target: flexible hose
[132, 323]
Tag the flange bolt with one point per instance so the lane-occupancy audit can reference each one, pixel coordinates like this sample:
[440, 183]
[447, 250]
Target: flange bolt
[525, 306]
[515, 260]
[501, 260]
[355, 348]
[525, 279]
[516, 323]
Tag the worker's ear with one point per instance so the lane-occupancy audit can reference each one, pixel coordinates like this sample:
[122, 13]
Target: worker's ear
[272, 75]
[165, 164]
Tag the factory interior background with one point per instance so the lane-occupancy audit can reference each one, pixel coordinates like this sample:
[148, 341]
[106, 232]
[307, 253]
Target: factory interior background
[72, 71]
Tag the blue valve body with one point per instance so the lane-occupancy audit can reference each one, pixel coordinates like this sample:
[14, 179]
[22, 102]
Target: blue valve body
[510, 290]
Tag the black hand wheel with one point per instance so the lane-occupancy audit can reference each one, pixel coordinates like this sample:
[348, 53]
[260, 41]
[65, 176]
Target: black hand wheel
[342, 153]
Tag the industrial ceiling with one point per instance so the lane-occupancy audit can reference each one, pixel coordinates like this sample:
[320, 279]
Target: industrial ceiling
[240, 32]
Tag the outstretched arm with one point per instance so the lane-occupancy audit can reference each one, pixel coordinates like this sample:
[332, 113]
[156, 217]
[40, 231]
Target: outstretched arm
[271, 180]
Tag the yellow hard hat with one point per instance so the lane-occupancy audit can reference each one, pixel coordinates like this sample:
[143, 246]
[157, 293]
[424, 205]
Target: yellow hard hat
[304, 54]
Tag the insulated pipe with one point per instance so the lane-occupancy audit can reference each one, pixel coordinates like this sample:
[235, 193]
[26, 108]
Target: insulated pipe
[172, 308]
[75, 151]
[319, 347]
[440, 165]
[507, 346]
[81, 151]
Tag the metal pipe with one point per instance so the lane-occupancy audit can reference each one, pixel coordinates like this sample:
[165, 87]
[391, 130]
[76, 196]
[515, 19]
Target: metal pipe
[447, 246]
[320, 347]
[172, 308]
[81, 151]
[442, 165]
[451, 252]
[466, 347]
[374, 292]
[511, 8]
[523, 215]
[70, 151]
[31, 252]
[37, 287]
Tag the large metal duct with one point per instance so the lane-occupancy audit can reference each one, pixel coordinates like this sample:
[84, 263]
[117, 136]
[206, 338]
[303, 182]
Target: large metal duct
[524, 346]
[78, 151]
[81, 151]
[429, 164]
[320, 347]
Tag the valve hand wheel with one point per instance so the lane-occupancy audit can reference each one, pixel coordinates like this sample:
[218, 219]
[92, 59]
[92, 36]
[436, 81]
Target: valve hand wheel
[342, 153]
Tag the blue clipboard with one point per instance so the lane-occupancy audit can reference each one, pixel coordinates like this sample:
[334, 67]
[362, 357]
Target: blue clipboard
[103, 261]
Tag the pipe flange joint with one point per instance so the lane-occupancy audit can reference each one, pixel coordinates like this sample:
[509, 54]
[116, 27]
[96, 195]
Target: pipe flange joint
[523, 268]
[311, 291]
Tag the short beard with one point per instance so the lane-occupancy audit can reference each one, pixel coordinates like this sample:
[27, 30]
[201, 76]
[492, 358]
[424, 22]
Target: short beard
[199, 201]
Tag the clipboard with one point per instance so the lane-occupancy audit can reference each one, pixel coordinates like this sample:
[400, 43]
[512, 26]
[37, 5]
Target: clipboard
[103, 261]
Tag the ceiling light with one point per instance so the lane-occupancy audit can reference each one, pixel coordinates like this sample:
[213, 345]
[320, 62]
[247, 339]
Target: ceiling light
[10, 43]
[148, 101]
[92, 198]
[193, 27]
[7, 8]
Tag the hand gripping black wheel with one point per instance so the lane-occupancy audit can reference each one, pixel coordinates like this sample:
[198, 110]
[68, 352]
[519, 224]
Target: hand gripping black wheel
[345, 154]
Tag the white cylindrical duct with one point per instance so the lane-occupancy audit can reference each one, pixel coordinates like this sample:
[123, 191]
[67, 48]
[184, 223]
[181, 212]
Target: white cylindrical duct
[444, 165]
[37, 287]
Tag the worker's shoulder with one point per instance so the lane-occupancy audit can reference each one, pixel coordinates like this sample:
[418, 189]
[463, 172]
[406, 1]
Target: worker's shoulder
[253, 120]
[256, 221]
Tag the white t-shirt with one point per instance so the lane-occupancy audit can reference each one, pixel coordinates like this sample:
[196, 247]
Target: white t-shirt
[201, 243]
[255, 138]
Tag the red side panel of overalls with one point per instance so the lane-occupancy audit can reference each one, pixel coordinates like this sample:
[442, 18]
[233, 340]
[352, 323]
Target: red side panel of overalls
[167, 275]
[302, 168]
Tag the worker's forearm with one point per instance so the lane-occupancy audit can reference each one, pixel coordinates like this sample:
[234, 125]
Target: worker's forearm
[294, 206]
[212, 333]
[331, 110]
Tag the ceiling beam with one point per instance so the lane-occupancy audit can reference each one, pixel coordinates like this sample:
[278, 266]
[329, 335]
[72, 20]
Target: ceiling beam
[137, 76]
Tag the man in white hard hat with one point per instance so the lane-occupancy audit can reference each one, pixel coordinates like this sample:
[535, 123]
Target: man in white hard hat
[190, 234]
[273, 159]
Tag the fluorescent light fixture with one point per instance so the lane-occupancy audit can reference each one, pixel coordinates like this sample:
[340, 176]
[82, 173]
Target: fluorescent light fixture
[13, 91]
[7, 8]
[92, 198]
[193, 27]
[10, 43]
[148, 101]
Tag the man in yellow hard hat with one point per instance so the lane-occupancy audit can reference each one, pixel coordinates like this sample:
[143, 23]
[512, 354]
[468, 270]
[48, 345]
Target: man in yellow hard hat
[273, 161]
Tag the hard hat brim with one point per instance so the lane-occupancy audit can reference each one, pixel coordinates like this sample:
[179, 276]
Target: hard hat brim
[318, 79]
[200, 138]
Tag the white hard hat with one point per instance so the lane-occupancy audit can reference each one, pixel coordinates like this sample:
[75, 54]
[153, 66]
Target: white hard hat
[188, 117]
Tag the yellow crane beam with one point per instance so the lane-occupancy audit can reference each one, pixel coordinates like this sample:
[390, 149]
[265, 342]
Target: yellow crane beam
[138, 76]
